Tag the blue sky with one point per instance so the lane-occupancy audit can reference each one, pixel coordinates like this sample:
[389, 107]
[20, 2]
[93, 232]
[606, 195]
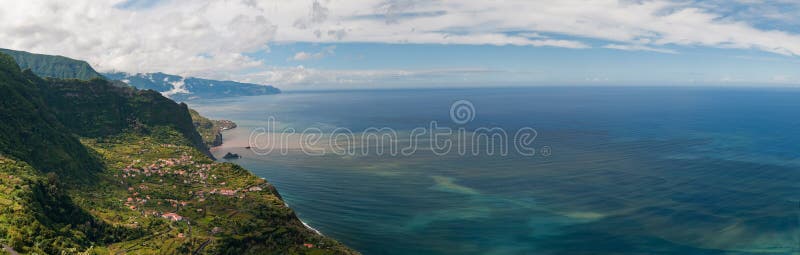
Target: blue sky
[329, 44]
[479, 65]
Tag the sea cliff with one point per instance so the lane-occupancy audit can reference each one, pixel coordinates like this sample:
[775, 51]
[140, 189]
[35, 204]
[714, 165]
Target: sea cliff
[87, 166]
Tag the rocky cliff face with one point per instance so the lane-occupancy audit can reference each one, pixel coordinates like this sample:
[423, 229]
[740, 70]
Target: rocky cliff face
[210, 130]
[217, 140]
[97, 108]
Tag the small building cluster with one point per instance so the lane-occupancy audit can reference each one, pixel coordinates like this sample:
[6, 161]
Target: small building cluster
[142, 177]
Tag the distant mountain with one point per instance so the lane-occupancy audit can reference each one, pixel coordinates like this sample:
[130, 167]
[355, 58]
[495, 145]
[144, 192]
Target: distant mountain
[53, 66]
[173, 86]
[187, 88]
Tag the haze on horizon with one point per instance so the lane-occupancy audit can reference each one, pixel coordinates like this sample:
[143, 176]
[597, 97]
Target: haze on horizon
[330, 44]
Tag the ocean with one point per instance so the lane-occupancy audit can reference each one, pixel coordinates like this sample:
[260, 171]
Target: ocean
[616, 170]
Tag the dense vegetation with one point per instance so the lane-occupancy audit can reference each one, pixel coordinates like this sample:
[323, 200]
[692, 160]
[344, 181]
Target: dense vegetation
[192, 88]
[87, 167]
[29, 131]
[95, 109]
[210, 130]
[53, 66]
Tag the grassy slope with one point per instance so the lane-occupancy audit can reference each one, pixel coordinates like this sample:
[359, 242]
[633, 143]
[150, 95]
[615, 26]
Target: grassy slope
[60, 194]
[249, 222]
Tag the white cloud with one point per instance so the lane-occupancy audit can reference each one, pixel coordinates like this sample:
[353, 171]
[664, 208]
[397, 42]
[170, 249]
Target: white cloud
[649, 24]
[211, 38]
[302, 55]
[183, 37]
[635, 47]
[300, 77]
[533, 35]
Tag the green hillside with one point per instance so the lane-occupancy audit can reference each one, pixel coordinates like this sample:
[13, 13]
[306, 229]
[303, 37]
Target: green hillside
[210, 130]
[53, 66]
[95, 109]
[90, 168]
[33, 133]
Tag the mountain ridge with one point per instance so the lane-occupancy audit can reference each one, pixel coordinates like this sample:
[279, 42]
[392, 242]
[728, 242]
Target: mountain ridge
[176, 87]
[190, 88]
[53, 66]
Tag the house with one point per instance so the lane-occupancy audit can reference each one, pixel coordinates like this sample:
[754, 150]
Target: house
[227, 192]
[172, 216]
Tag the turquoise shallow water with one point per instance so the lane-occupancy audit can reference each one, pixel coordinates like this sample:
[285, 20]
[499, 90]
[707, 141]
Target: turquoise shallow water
[632, 171]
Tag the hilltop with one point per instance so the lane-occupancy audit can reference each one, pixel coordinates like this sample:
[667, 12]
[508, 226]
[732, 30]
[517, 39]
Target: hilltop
[53, 66]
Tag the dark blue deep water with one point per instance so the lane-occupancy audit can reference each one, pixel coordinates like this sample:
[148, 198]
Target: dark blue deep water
[631, 171]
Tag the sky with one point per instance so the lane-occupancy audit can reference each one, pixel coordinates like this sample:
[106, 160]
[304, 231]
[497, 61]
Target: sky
[333, 44]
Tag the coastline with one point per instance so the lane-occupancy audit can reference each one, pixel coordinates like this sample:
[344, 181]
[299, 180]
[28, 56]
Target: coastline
[219, 147]
[309, 226]
[221, 137]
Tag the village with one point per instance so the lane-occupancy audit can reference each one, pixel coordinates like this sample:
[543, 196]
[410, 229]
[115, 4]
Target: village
[147, 181]
[187, 198]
